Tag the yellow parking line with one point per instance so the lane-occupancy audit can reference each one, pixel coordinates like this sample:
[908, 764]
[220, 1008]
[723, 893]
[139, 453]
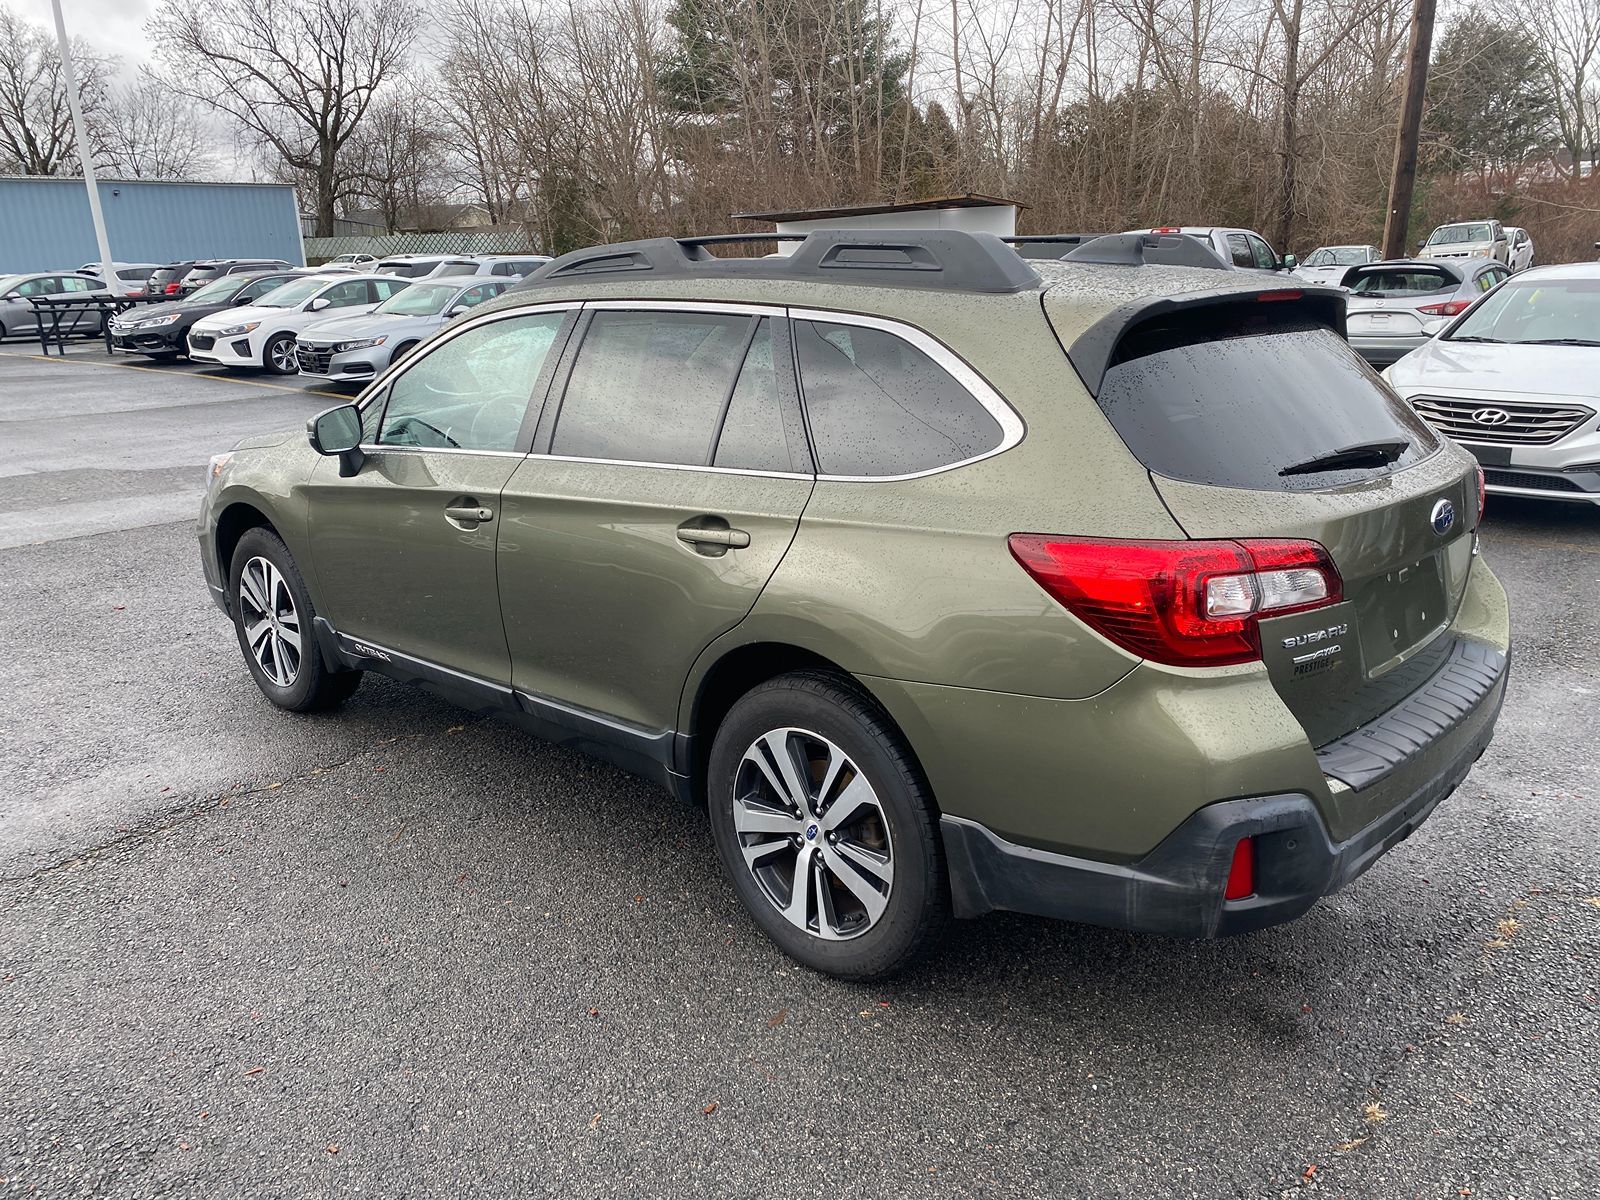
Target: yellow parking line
[118, 366]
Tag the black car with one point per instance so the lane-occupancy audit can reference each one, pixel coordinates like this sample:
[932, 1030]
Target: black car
[162, 330]
[210, 270]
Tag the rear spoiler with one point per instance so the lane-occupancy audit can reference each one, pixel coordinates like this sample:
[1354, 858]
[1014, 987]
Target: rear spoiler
[1122, 249]
[1159, 322]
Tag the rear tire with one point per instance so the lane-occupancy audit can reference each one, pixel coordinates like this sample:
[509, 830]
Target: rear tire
[278, 355]
[275, 623]
[806, 773]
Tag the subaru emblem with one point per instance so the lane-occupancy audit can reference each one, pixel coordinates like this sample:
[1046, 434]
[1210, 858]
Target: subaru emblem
[1444, 516]
[811, 833]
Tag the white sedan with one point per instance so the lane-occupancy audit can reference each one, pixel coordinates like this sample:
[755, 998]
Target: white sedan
[1513, 380]
[262, 335]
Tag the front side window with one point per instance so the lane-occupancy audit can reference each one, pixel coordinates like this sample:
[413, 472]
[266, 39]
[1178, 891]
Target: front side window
[471, 392]
[344, 295]
[477, 295]
[879, 406]
[651, 386]
[255, 291]
[1266, 260]
[382, 289]
[43, 286]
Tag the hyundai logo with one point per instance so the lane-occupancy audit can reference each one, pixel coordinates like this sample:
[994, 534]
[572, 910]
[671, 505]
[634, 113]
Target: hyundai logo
[1491, 416]
[1444, 516]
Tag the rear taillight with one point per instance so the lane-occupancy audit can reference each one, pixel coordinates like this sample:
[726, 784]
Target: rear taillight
[1450, 308]
[1483, 494]
[1183, 603]
[1242, 872]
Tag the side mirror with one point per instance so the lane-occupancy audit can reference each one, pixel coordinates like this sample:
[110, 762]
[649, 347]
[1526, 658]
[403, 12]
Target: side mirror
[338, 431]
[457, 311]
[317, 305]
[1290, 262]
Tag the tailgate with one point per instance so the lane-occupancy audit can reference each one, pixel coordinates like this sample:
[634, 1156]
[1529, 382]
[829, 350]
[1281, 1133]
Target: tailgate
[1256, 420]
[1337, 668]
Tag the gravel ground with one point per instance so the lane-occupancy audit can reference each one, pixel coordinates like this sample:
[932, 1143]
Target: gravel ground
[406, 952]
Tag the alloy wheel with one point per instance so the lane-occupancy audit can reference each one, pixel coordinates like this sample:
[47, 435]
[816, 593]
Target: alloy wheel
[283, 356]
[813, 834]
[270, 621]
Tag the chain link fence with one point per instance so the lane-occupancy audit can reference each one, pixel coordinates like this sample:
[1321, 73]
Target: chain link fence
[482, 241]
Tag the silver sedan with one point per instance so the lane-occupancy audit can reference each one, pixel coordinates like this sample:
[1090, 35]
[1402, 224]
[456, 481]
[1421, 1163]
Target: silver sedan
[1396, 306]
[355, 348]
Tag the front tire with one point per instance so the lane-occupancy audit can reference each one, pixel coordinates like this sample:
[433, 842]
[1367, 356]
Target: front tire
[400, 351]
[826, 827]
[278, 355]
[274, 620]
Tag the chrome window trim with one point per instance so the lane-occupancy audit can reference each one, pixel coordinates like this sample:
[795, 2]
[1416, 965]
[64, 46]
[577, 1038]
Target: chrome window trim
[1012, 427]
[666, 466]
[379, 448]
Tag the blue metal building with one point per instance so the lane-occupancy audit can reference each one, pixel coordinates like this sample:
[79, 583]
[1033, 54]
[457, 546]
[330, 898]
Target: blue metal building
[45, 223]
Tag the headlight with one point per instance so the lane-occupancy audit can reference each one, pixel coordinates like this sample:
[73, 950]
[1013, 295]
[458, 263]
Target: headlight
[236, 330]
[156, 322]
[363, 344]
[219, 463]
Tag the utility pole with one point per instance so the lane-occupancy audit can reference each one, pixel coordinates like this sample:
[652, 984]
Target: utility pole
[1403, 181]
[80, 135]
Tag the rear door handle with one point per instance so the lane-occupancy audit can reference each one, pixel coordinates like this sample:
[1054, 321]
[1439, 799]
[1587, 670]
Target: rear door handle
[468, 513]
[736, 539]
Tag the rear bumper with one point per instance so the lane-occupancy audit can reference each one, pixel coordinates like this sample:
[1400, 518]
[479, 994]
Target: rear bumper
[1385, 351]
[1177, 888]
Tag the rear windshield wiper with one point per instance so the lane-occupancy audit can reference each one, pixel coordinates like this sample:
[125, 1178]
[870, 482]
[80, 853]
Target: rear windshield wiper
[1363, 454]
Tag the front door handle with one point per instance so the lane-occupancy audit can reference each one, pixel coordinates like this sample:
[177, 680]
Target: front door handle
[468, 513]
[734, 539]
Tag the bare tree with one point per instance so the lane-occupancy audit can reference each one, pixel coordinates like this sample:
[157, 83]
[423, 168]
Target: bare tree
[145, 131]
[35, 123]
[396, 155]
[299, 75]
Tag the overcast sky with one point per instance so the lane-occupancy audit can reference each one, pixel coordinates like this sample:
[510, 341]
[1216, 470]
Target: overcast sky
[110, 26]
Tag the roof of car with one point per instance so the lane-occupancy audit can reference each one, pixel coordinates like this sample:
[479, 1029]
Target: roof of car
[1573, 270]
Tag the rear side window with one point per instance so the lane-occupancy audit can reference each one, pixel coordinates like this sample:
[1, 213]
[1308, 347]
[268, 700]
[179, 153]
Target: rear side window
[132, 274]
[651, 386]
[1238, 411]
[1239, 251]
[1401, 281]
[384, 288]
[879, 406]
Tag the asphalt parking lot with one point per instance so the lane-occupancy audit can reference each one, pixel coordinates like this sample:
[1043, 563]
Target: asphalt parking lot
[403, 951]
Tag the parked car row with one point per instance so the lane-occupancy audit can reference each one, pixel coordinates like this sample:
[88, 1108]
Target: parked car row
[340, 325]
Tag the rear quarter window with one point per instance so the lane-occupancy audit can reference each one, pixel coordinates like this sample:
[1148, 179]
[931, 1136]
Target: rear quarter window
[1236, 411]
[879, 406]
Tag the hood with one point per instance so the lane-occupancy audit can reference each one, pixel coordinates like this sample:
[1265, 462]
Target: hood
[240, 316]
[351, 325]
[143, 312]
[265, 441]
[1481, 368]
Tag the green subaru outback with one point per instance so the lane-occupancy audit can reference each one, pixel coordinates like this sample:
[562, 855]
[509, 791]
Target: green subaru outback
[947, 580]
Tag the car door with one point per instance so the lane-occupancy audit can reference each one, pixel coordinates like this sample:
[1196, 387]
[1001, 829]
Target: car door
[669, 474]
[79, 287]
[404, 550]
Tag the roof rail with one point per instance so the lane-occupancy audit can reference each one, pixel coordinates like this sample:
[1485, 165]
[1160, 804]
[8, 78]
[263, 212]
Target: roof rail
[936, 259]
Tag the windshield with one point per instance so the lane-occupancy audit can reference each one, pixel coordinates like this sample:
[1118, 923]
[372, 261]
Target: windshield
[217, 289]
[1402, 281]
[1451, 235]
[419, 300]
[1535, 312]
[291, 294]
[1337, 256]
